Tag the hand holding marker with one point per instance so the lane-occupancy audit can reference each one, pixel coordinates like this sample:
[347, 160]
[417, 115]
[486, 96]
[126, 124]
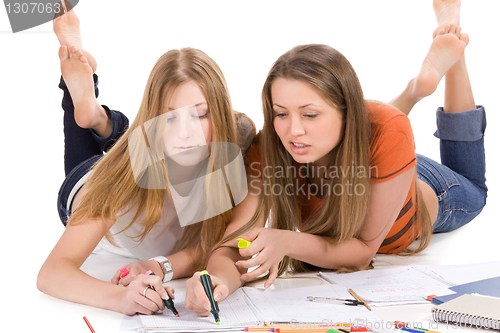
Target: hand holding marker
[168, 302]
[206, 281]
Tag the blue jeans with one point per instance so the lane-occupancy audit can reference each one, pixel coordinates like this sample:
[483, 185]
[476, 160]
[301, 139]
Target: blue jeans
[83, 147]
[459, 182]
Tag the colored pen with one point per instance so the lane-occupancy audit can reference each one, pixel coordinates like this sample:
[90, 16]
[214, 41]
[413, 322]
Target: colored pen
[332, 299]
[409, 330]
[401, 324]
[206, 281]
[243, 243]
[359, 298]
[169, 303]
[258, 329]
[88, 324]
[424, 329]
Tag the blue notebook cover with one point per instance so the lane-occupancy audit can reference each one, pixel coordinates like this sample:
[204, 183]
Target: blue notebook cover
[486, 287]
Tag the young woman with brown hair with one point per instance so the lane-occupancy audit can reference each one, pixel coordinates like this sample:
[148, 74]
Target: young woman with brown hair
[344, 172]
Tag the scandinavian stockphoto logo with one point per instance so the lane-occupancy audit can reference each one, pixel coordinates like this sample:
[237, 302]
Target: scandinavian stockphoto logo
[171, 152]
[24, 15]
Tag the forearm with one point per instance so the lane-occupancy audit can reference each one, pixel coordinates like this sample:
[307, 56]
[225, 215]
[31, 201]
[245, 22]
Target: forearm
[183, 263]
[221, 264]
[318, 251]
[64, 280]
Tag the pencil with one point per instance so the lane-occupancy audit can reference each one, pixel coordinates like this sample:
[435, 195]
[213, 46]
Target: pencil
[88, 324]
[358, 298]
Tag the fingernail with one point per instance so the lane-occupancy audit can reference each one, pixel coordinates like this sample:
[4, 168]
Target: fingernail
[207, 306]
[244, 277]
[217, 296]
[165, 296]
[149, 272]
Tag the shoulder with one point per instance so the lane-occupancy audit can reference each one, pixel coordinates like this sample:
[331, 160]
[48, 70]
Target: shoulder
[383, 115]
[253, 159]
[388, 123]
[246, 130]
[392, 146]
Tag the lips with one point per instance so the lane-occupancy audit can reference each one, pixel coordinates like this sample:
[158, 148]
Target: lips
[299, 147]
[186, 148]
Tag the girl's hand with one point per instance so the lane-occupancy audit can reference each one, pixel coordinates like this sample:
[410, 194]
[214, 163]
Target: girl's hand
[196, 298]
[133, 269]
[144, 295]
[270, 245]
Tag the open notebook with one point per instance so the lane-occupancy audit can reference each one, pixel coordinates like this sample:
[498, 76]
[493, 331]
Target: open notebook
[255, 307]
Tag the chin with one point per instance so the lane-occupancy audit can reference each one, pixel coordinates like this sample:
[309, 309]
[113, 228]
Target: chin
[190, 158]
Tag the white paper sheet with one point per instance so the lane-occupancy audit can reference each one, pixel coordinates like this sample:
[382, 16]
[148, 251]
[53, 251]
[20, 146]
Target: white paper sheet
[382, 287]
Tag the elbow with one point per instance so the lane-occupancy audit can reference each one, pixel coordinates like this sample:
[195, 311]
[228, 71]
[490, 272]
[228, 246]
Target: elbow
[365, 264]
[358, 261]
[42, 279]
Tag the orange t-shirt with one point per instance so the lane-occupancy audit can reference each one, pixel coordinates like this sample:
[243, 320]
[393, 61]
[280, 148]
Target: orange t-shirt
[392, 152]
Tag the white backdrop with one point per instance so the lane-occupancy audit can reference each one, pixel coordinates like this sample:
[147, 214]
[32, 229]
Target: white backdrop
[384, 40]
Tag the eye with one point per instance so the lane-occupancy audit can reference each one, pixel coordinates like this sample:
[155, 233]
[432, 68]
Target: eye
[280, 114]
[314, 115]
[201, 113]
[202, 116]
[170, 119]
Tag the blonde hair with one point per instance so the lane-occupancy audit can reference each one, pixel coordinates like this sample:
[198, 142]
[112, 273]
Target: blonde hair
[341, 217]
[112, 187]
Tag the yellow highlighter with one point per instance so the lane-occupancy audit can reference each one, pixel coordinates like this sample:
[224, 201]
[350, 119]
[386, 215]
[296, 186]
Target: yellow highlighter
[243, 243]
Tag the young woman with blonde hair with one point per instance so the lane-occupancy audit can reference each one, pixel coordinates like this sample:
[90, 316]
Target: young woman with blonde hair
[127, 200]
[344, 172]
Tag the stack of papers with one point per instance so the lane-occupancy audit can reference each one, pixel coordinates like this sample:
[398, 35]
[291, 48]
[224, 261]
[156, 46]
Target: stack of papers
[393, 286]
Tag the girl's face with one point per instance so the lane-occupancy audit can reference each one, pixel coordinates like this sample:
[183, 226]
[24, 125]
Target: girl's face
[308, 125]
[188, 126]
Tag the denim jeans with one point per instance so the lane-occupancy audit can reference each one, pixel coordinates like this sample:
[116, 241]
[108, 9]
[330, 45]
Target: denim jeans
[459, 182]
[83, 147]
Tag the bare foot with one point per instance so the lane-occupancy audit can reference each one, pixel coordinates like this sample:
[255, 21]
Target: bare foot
[446, 49]
[447, 11]
[77, 75]
[67, 29]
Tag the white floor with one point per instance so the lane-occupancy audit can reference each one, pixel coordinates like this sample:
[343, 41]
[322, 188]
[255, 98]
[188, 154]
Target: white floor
[385, 41]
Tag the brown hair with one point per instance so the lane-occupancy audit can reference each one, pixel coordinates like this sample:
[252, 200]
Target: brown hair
[112, 187]
[341, 216]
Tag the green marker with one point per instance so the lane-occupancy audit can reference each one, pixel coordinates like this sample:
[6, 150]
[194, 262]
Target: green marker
[206, 281]
[243, 243]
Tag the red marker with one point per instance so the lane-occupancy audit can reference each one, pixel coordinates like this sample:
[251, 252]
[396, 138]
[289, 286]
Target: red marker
[88, 324]
[124, 272]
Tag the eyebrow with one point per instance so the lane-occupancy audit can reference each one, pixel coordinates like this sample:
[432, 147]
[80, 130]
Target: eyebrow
[300, 107]
[198, 104]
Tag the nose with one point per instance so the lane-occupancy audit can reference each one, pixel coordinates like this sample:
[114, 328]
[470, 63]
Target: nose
[185, 129]
[297, 127]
